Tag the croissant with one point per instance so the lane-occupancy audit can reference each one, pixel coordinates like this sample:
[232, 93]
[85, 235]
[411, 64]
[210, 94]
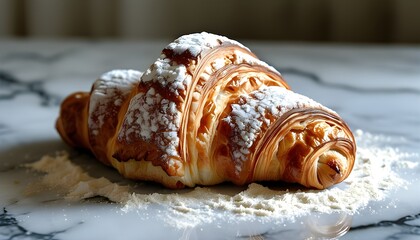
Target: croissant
[205, 112]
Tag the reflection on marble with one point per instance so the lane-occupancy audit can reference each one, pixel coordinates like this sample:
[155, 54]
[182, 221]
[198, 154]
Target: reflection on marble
[374, 88]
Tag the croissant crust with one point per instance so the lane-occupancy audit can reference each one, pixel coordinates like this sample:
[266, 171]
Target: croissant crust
[208, 111]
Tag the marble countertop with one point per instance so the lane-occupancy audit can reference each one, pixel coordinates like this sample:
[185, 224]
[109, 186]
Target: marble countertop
[374, 88]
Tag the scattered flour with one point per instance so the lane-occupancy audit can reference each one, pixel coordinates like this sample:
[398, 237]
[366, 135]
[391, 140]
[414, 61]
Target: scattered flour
[373, 177]
[64, 175]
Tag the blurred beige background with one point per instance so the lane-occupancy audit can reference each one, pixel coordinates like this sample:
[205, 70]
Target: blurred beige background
[384, 21]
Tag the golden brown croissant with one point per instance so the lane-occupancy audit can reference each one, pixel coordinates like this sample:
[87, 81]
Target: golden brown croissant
[208, 111]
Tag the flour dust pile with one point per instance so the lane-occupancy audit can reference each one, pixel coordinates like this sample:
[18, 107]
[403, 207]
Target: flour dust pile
[373, 177]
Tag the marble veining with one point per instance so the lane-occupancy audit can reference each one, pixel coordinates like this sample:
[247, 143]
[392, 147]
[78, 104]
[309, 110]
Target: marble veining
[374, 88]
[12, 87]
[404, 226]
[347, 86]
[11, 229]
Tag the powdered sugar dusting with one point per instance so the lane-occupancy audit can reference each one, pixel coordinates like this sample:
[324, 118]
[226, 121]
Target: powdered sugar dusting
[197, 42]
[109, 92]
[174, 76]
[373, 177]
[249, 115]
[151, 117]
[168, 74]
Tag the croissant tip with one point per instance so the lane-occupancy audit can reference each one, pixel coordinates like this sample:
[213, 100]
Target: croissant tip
[330, 171]
[334, 166]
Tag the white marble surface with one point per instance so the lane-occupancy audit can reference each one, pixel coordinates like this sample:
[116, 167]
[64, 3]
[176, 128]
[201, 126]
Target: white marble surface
[374, 88]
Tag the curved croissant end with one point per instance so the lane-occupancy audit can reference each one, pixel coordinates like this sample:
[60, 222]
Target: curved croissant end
[207, 111]
[274, 134]
[71, 125]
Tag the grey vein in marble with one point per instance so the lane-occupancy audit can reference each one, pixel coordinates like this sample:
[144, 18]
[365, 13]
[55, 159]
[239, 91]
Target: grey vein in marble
[403, 226]
[11, 229]
[347, 86]
[12, 87]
